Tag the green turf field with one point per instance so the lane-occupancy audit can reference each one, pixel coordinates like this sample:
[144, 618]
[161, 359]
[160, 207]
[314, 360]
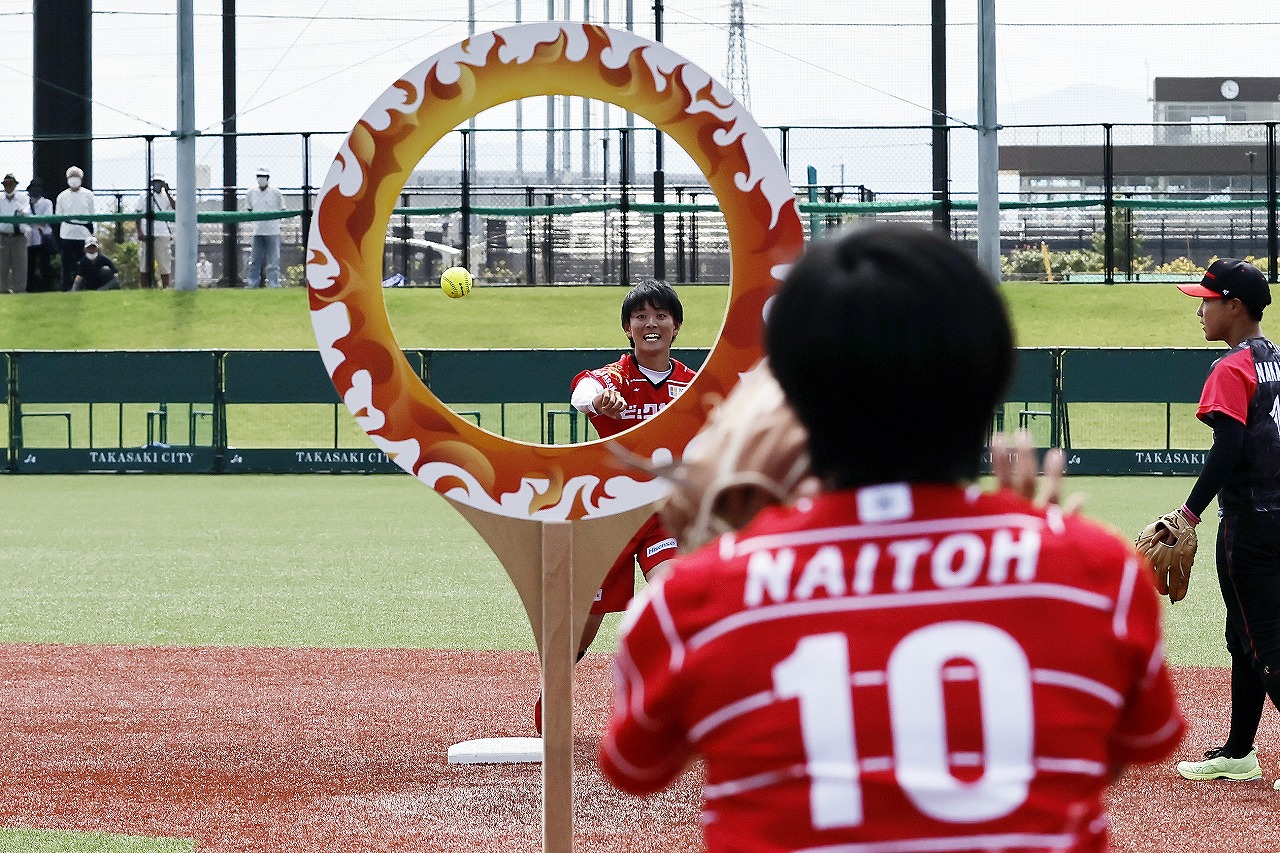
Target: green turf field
[49, 841]
[557, 317]
[382, 561]
[339, 561]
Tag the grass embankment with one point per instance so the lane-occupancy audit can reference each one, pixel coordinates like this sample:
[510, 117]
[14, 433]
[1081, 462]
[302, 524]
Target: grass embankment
[555, 317]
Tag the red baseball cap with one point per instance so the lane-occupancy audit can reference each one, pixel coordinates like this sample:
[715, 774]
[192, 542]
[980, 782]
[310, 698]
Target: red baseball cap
[1231, 278]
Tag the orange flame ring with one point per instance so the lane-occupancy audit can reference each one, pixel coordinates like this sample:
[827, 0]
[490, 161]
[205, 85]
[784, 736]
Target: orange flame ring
[344, 269]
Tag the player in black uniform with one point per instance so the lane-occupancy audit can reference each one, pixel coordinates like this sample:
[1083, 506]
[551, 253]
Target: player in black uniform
[1241, 403]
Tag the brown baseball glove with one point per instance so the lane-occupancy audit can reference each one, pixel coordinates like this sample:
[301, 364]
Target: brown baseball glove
[752, 453]
[1169, 544]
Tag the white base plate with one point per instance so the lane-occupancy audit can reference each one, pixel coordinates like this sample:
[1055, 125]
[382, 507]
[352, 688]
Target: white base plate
[497, 750]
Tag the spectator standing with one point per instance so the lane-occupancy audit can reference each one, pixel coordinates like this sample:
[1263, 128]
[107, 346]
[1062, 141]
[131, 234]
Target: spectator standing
[41, 244]
[75, 201]
[13, 238]
[95, 271]
[158, 200]
[204, 271]
[264, 198]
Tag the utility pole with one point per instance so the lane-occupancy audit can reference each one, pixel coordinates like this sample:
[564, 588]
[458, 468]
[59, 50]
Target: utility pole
[62, 91]
[941, 137]
[988, 146]
[230, 230]
[736, 67]
[186, 237]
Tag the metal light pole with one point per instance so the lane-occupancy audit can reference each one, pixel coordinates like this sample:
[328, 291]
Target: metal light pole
[988, 147]
[185, 237]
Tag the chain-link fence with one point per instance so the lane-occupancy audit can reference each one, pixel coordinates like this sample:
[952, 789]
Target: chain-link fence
[617, 204]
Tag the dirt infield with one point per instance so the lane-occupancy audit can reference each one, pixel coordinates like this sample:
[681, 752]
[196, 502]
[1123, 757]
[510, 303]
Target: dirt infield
[304, 750]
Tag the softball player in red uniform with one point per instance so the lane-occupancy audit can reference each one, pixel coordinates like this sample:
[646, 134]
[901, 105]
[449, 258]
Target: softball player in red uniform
[902, 662]
[616, 397]
[620, 395]
[1241, 404]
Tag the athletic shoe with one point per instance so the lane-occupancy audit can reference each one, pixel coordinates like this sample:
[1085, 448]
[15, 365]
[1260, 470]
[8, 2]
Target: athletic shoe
[537, 716]
[1219, 766]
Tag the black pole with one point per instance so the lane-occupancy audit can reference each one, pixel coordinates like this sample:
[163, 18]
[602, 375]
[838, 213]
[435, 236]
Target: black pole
[693, 240]
[785, 133]
[659, 219]
[624, 206]
[548, 243]
[15, 411]
[682, 270]
[306, 194]
[1272, 242]
[1128, 241]
[530, 269]
[466, 199]
[1108, 207]
[62, 91]
[149, 244]
[230, 229]
[941, 134]
[605, 271]
[659, 176]
[405, 233]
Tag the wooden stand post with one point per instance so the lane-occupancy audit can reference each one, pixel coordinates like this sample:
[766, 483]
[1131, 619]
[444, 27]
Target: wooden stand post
[556, 567]
[559, 651]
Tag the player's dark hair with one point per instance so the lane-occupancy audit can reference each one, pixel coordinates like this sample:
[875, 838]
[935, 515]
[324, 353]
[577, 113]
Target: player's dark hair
[894, 348]
[659, 294]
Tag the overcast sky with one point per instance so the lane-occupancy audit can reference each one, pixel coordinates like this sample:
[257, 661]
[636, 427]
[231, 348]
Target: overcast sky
[316, 65]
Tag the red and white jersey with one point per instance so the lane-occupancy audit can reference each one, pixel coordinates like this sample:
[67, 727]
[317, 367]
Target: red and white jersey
[897, 668]
[644, 398]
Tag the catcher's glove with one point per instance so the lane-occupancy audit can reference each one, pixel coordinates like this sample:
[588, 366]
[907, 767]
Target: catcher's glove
[751, 454]
[1169, 544]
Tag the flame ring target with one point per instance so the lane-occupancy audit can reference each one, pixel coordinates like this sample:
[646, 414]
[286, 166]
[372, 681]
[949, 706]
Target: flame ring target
[344, 268]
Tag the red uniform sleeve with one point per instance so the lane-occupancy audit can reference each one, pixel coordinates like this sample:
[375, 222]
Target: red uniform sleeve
[646, 745]
[1150, 725]
[1230, 387]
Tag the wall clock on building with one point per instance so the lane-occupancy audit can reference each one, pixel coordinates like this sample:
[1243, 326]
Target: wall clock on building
[1230, 88]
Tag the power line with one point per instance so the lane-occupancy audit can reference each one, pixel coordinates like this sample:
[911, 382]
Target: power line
[498, 22]
[832, 72]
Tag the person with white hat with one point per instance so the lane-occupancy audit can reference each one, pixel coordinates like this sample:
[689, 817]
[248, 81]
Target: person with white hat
[264, 198]
[75, 201]
[95, 271]
[13, 238]
[161, 232]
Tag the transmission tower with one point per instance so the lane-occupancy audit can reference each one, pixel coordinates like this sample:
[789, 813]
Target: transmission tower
[736, 72]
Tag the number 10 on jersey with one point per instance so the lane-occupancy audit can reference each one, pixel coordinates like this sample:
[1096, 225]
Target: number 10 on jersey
[818, 674]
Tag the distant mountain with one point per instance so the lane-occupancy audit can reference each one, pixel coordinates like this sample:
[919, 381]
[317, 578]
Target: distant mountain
[1083, 103]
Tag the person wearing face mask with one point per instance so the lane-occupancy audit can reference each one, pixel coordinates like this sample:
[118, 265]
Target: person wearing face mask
[160, 201]
[95, 271]
[264, 198]
[75, 201]
[41, 244]
[13, 238]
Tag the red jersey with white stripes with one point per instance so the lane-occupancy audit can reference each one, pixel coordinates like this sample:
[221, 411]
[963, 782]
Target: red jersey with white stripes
[897, 668]
[644, 398]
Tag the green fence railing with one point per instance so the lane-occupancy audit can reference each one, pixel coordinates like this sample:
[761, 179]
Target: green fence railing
[1115, 411]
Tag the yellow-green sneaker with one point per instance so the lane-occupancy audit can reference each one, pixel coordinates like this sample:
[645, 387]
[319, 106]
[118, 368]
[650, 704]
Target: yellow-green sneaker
[1219, 766]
